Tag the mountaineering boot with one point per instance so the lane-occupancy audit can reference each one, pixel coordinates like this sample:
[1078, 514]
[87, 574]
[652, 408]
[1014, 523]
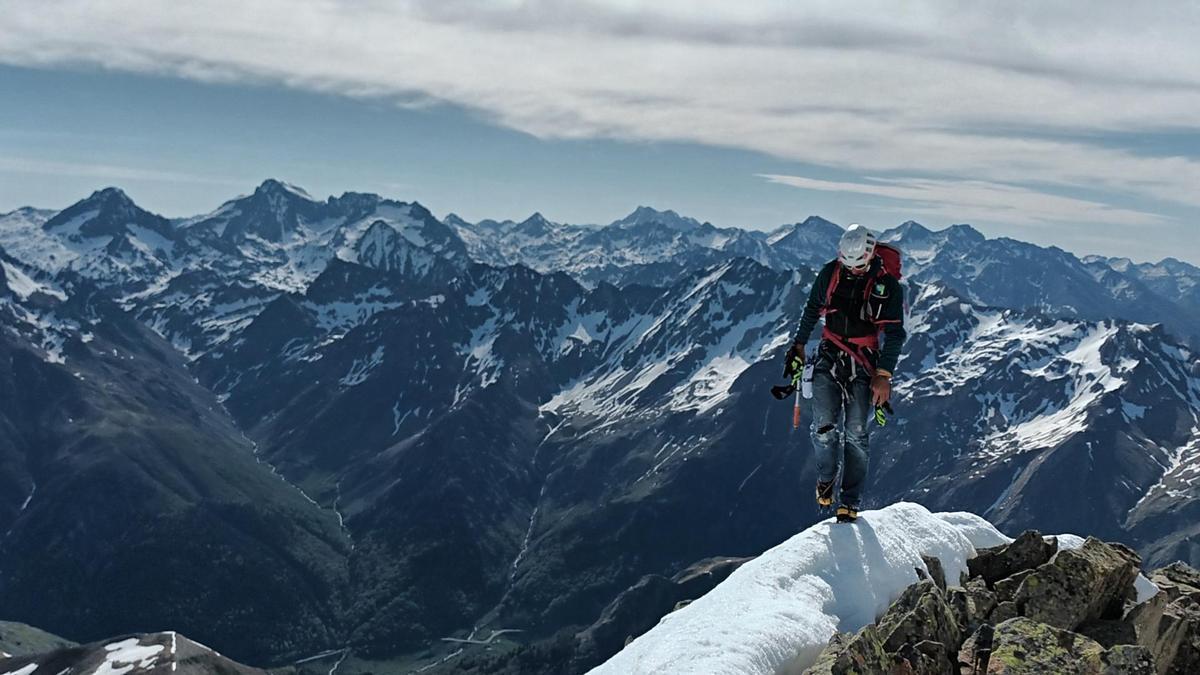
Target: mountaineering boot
[847, 514]
[824, 494]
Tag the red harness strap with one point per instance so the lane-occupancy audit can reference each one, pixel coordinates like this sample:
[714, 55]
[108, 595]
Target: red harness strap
[855, 351]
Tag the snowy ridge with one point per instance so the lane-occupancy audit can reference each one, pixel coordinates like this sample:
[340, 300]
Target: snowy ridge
[776, 612]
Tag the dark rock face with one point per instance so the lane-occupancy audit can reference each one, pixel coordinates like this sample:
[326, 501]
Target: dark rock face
[1025, 553]
[1079, 585]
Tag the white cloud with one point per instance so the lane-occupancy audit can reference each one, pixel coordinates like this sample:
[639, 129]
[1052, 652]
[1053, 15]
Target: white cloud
[109, 172]
[970, 200]
[855, 86]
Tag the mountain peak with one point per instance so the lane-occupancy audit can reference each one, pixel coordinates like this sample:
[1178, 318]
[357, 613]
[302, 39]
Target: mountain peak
[965, 231]
[535, 219]
[813, 232]
[272, 186]
[110, 195]
[105, 212]
[818, 221]
[913, 226]
[454, 219]
[644, 215]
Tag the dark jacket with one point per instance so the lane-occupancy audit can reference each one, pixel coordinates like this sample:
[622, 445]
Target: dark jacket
[856, 315]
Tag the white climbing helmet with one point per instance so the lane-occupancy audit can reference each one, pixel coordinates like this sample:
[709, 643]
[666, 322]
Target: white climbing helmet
[856, 247]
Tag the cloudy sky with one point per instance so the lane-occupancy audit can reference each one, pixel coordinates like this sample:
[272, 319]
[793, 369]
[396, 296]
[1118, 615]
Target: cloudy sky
[1075, 124]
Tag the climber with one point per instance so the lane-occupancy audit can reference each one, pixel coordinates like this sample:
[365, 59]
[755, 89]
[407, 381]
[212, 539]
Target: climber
[858, 294]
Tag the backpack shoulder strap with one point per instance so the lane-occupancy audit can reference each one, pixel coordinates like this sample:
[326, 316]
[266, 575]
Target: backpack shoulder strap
[836, 266]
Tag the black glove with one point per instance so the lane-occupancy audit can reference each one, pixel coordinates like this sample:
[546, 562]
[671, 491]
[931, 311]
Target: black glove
[794, 360]
[781, 391]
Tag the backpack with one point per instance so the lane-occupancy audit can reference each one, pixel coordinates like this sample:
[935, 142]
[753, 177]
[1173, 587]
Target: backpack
[891, 258]
[890, 263]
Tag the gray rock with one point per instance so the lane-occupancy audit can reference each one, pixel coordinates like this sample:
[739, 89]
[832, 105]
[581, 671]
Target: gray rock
[1177, 579]
[1175, 637]
[971, 605]
[1007, 587]
[1024, 646]
[929, 658]
[920, 614]
[852, 655]
[936, 572]
[1127, 660]
[975, 653]
[1003, 612]
[1079, 585]
[1026, 552]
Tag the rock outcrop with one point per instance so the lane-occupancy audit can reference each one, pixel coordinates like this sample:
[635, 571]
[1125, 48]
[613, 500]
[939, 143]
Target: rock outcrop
[1026, 552]
[1080, 585]
[1028, 607]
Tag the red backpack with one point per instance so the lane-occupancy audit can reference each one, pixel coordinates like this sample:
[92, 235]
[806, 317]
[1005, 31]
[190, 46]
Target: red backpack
[889, 255]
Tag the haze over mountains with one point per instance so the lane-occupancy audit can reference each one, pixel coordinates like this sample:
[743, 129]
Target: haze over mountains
[292, 425]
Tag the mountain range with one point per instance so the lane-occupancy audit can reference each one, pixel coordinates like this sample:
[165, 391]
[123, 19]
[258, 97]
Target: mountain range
[292, 426]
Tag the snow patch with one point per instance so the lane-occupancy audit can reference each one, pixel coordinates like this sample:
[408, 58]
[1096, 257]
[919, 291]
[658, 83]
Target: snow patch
[126, 655]
[23, 286]
[361, 369]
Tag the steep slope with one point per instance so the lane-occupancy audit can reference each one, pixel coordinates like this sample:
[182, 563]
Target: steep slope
[1037, 402]
[128, 495]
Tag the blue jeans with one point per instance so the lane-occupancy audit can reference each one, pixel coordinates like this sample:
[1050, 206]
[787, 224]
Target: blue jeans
[841, 390]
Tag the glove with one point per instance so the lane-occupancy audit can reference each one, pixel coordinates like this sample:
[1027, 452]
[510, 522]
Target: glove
[794, 361]
[880, 418]
[781, 392]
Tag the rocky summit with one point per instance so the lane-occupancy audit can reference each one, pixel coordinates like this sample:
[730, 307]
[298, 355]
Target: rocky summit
[1032, 606]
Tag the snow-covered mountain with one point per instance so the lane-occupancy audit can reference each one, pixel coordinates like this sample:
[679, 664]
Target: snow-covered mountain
[647, 246]
[659, 247]
[631, 414]
[505, 425]
[198, 281]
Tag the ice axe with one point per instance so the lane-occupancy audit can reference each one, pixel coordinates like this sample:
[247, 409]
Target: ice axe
[781, 392]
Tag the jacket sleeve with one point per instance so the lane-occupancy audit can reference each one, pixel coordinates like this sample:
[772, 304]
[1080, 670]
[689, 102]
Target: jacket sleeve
[893, 329]
[812, 308]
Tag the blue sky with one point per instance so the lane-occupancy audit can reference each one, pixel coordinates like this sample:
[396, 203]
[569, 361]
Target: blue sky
[1049, 124]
